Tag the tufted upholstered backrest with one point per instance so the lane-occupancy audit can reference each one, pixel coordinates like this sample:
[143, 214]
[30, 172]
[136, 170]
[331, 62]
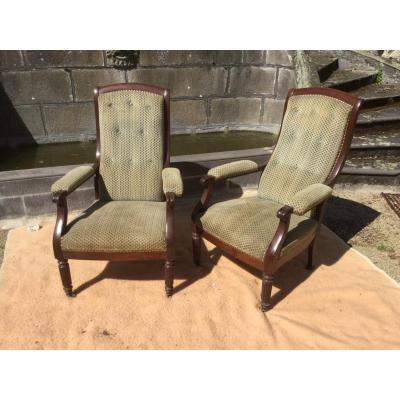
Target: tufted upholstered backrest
[310, 143]
[131, 132]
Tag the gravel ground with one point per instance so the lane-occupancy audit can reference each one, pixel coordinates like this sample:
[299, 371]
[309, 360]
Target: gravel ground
[362, 219]
[366, 222]
[3, 238]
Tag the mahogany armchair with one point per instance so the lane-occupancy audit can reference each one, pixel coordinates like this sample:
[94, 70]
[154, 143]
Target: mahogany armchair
[132, 217]
[283, 219]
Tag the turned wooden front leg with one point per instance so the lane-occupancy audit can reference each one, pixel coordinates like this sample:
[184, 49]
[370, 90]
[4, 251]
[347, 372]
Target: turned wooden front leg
[65, 275]
[169, 277]
[266, 291]
[170, 262]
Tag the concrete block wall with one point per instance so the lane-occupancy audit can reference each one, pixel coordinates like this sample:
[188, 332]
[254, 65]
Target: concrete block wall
[47, 96]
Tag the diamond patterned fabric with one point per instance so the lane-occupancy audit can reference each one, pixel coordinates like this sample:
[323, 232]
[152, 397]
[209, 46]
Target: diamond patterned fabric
[311, 137]
[118, 226]
[249, 224]
[131, 145]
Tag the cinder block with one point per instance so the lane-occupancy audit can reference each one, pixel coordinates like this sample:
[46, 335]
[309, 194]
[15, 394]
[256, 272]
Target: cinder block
[252, 80]
[175, 57]
[273, 110]
[85, 81]
[238, 110]
[11, 207]
[32, 119]
[70, 119]
[11, 59]
[253, 56]
[37, 204]
[286, 81]
[29, 87]
[279, 57]
[40, 203]
[20, 187]
[186, 113]
[184, 82]
[229, 57]
[81, 198]
[64, 58]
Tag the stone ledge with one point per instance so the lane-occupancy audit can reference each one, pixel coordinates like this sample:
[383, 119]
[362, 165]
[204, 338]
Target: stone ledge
[30, 204]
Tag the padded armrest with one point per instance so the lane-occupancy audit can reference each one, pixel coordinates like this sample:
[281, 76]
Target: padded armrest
[72, 179]
[235, 168]
[172, 181]
[309, 197]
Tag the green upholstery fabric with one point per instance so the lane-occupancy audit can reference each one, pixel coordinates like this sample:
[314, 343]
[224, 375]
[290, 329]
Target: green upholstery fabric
[131, 137]
[309, 197]
[118, 226]
[250, 223]
[72, 179]
[172, 181]
[235, 168]
[311, 136]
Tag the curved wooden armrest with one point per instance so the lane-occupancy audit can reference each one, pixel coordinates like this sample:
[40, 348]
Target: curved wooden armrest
[274, 249]
[60, 198]
[61, 222]
[207, 182]
[169, 228]
[284, 213]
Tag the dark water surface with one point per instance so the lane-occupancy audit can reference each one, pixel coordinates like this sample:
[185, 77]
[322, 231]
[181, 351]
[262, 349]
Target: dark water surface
[56, 154]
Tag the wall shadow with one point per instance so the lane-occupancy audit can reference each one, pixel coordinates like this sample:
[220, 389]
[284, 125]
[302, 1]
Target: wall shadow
[13, 131]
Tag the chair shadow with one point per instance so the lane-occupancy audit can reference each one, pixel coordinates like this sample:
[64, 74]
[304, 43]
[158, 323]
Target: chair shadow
[347, 217]
[287, 278]
[344, 217]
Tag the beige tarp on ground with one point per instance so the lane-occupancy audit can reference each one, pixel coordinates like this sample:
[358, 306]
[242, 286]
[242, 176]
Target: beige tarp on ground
[346, 303]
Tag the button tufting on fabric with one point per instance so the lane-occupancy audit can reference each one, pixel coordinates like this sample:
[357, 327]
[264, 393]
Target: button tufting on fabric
[139, 118]
[310, 138]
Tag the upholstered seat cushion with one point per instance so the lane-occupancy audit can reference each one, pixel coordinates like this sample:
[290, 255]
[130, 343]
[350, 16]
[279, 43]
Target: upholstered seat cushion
[250, 223]
[118, 226]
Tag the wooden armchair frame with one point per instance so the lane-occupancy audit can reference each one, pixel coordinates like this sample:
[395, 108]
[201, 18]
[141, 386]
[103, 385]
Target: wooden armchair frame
[60, 198]
[272, 257]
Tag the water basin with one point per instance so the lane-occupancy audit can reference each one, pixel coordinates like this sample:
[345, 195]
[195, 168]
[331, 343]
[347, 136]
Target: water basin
[57, 154]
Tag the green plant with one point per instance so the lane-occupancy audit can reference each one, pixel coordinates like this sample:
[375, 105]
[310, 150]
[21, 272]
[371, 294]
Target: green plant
[383, 247]
[379, 75]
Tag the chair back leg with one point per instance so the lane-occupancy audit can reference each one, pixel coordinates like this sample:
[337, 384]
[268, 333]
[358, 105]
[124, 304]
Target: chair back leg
[196, 244]
[310, 255]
